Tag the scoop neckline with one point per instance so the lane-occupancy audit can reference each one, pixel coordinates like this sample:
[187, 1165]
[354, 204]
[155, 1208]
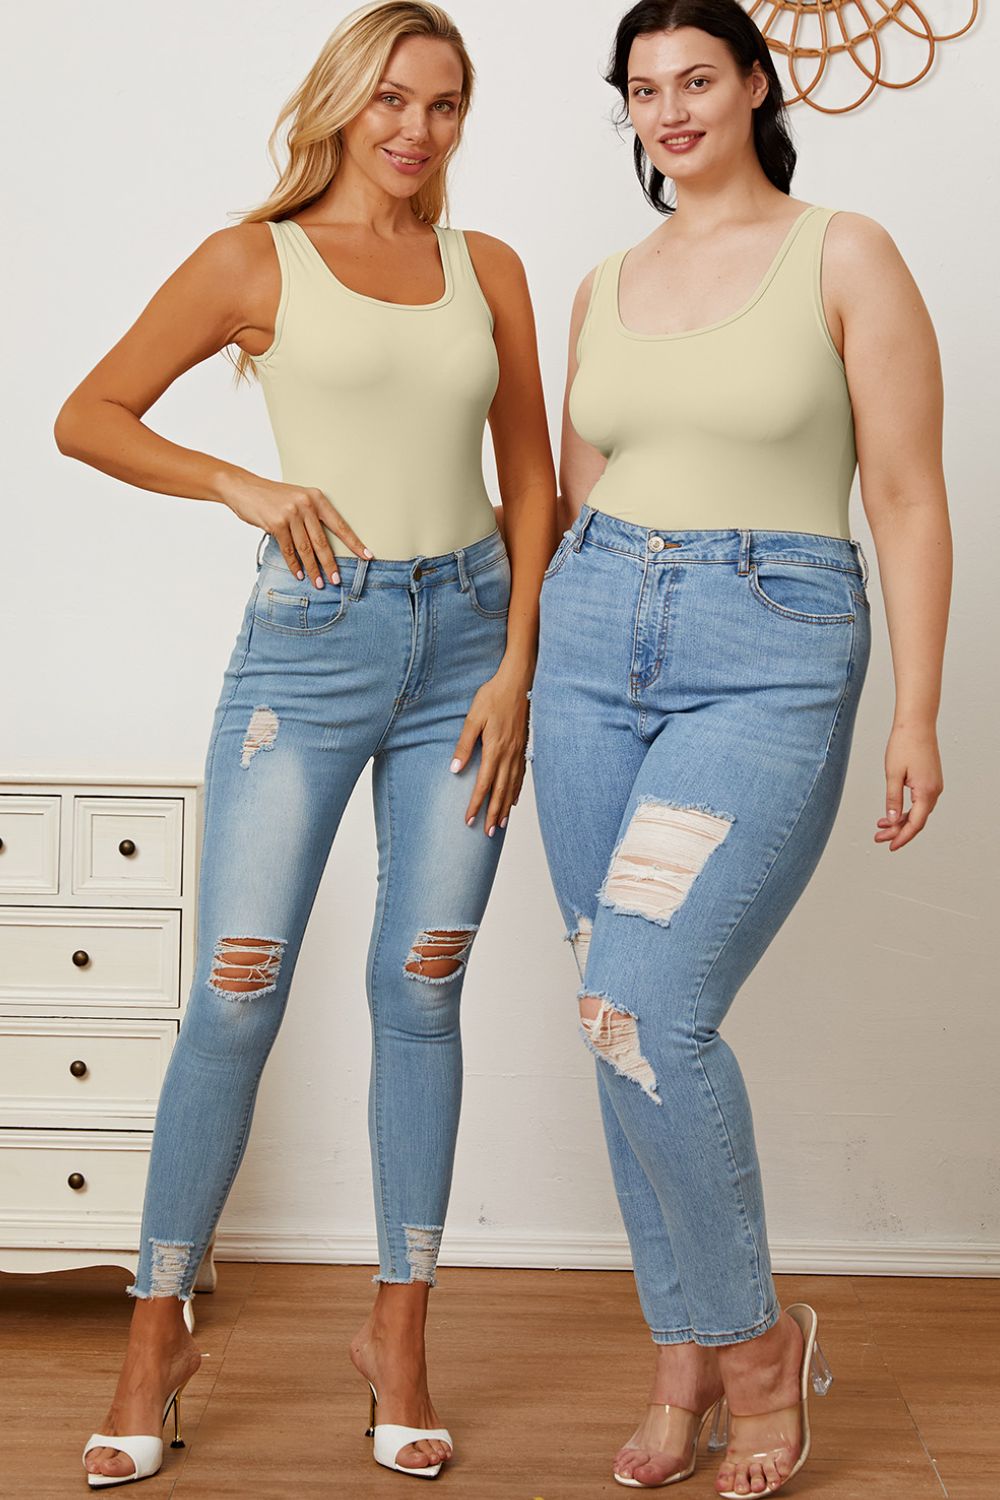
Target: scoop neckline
[446, 295]
[722, 322]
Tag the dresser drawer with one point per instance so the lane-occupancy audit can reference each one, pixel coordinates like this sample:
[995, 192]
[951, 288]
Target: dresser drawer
[72, 1188]
[29, 845]
[127, 844]
[89, 1073]
[52, 956]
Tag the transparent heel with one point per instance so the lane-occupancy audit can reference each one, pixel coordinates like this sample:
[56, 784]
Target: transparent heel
[718, 1437]
[819, 1371]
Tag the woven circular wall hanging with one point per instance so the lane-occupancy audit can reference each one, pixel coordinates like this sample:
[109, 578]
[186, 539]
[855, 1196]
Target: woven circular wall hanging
[822, 32]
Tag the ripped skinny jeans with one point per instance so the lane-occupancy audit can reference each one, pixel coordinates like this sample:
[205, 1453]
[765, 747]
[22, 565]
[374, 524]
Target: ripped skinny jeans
[692, 715]
[382, 667]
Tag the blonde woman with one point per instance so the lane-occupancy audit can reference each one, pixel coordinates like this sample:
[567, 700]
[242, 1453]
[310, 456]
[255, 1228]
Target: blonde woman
[387, 622]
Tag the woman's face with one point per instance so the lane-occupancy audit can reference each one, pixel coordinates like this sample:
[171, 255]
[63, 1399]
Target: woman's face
[685, 83]
[403, 136]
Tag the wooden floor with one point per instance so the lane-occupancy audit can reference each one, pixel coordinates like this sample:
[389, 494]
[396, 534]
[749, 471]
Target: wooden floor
[540, 1375]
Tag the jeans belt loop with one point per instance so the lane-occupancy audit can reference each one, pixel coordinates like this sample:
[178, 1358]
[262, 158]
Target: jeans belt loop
[360, 573]
[744, 563]
[463, 571]
[862, 559]
[265, 536]
[587, 513]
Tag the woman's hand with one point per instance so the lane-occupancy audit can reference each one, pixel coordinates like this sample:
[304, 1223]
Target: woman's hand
[911, 759]
[499, 714]
[295, 517]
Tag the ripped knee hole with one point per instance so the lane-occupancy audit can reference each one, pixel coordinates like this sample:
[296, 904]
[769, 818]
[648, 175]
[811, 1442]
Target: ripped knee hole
[614, 1036]
[246, 966]
[439, 954]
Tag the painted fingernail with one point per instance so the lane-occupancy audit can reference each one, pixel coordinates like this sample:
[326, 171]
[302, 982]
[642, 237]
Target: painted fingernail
[493, 830]
[367, 553]
[503, 822]
[892, 813]
[300, 574]
[319, 581]
[456, 765]
[469, 822]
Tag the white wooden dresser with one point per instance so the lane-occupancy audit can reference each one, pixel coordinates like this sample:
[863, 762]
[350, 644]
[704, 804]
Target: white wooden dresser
[98, 897]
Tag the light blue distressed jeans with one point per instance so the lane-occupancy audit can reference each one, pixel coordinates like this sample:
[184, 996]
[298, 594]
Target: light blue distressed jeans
[692, 715]
[383, 667]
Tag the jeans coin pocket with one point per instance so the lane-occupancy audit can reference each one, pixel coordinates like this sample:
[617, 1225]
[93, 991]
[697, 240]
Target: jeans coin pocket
[809, 592]
[284, 604]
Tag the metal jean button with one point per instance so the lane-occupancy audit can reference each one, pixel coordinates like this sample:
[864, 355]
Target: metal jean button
[656, 544]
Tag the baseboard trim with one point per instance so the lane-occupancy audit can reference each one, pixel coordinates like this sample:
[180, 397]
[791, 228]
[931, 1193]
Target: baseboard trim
[611, 1253]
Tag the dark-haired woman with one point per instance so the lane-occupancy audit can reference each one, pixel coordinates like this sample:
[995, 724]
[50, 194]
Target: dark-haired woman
[705, 636]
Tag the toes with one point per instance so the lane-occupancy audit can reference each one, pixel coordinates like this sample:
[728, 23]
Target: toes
[772, 1473]
[411, 1457]
[627, 1460]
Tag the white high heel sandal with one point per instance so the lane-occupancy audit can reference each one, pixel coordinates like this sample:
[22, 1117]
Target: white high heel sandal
[390, 1438]
[145, 1451]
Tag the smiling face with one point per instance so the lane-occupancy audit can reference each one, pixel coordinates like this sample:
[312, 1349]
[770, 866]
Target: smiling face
[689, 103]
[404, 135]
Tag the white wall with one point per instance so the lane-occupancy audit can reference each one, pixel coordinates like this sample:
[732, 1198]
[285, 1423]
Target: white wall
[868, 1031]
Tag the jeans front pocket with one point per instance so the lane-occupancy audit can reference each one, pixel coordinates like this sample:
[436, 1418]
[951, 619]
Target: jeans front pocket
[814, 593]
[283, 604]
[489, 589]
[560, 555]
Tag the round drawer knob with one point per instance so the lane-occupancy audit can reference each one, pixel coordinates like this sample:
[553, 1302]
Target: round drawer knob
[76, 1181]
[81, 958]
[126, 847]
[78, 1068]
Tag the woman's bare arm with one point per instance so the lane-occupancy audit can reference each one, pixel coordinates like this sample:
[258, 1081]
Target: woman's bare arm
[526, 477]
[225, 292]
[894, 377]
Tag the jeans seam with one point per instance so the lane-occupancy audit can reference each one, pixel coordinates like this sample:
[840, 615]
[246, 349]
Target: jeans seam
[376, 1051]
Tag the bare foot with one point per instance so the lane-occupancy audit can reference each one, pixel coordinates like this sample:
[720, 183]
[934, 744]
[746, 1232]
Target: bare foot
[762, 1375]
[687, 1379]
[161, 1355]
[389, 1351]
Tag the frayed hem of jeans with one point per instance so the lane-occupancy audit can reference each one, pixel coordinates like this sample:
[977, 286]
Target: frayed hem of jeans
[404, 1280]
[691, 1335]
[133, 1291]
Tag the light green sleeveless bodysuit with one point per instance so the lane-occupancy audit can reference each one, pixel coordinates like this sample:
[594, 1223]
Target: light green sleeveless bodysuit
[382, 405]
[744, 423]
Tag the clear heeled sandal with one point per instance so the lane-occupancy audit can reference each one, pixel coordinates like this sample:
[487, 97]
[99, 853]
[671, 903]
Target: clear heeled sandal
[783, 1424]
[666, 1440]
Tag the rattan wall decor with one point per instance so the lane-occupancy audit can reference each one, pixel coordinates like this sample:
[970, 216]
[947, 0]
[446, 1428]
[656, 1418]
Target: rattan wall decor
[835, 33]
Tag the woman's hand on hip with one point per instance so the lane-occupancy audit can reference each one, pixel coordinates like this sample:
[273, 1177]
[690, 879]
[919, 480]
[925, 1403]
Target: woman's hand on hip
[911, 759]
[295, 517]
[499, 716]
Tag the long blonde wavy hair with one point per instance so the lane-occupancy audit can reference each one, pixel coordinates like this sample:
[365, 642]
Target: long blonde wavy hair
[338, 86]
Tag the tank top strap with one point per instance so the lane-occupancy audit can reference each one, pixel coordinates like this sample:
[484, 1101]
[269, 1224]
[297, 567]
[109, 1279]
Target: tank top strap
[797, 279]
[602, 309]
[461, 269]
[297, 256]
